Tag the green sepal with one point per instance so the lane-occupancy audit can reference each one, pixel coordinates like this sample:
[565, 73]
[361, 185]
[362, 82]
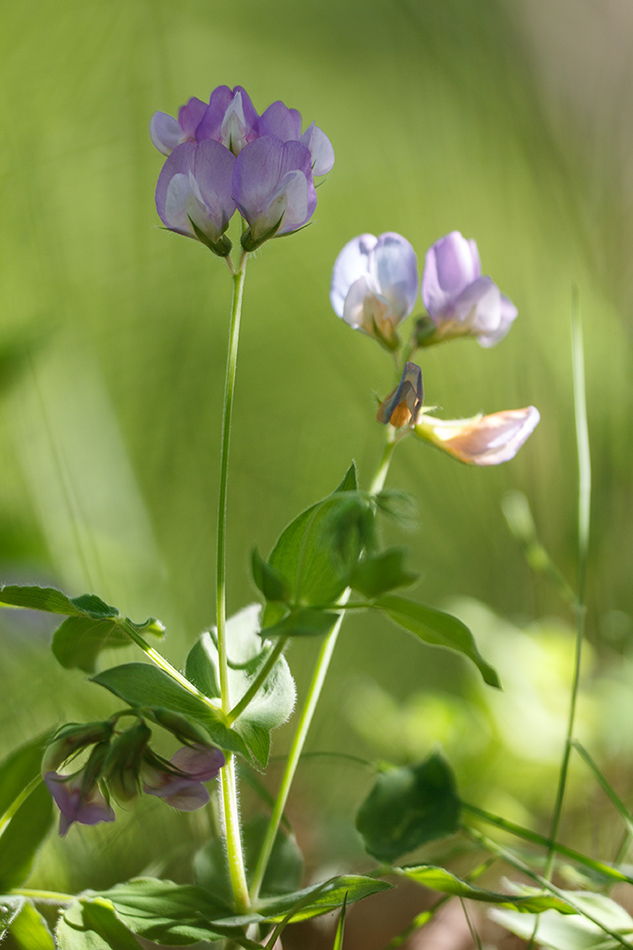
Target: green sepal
[439, 879]
[221, 247]
[270, 582]
[408, 807]
[304, 622]
[379, 573]
[436, 628]
[249, 243]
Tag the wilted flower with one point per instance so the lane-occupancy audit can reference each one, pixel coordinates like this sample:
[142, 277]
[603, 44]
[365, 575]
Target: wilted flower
[482, 440]
[375, 285]
[193, 194]
[403, 405]
[273, 188]
[179, 781]
[459, 300]
[286, 123]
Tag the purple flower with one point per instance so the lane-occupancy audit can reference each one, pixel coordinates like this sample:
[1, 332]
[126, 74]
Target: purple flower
[179, 782]
[459, 300]
[273, 188]
[482, 440]
[78, 799]
[403, 405]
[286, 123]
[230, 119]
[375, 285]
[168, 133]
[193, 194]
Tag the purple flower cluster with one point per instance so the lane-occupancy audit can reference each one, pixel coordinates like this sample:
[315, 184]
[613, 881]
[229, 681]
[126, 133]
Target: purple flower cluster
[122, 764]
[224, 156]
[375, 287]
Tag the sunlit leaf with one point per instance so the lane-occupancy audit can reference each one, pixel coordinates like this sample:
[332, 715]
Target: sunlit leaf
[269, 581]
[93, 926]
[23, 836]
[378, 573]
[439, 879]
[10, 907]
[29, 930]
[328, 897]
[303, 622]
[437, 629]
[408, 807]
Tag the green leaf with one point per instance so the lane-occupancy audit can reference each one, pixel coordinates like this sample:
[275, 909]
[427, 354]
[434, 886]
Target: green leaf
[92, 625]
[439, 879]
[437, 629]
[169, 913]
[327, 897]
[274, 701]
[304, 622]
[140, 684]
[269, 581]
[93, 926]
[408, 807]
[378, 573]
[30, 931]
[398, 505]
[574, 931]
[317, 551]
[23, 836]
[19, 769]
[10, 907]
[350, 480]
[283, 873]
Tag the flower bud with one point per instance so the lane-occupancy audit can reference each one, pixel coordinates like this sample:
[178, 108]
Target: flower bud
[482, 440]
[176, 724]
[402, 406]
[123, 764]
[71, 738]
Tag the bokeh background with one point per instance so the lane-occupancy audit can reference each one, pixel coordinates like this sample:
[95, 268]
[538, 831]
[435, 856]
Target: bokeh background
[508, 120]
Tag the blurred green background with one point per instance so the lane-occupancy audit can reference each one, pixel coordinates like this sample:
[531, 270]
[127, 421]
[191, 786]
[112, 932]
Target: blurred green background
[506, 119]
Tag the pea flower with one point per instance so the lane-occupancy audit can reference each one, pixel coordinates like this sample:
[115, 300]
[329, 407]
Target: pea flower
[375, 285]
[193, 194]
[179, 781]
[459, 300]
[403, 405]
[286, 123]
[77, 800]
[481, 440]
[273, 188]
[168, 133]
[71, 738]
[230, 118]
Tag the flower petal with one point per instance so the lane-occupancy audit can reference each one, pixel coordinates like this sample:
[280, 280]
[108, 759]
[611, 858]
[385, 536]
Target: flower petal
[190, 116]
[166, 133]
[320, 149]
[394, 266]
[451, 264]
[200, 762]
[351, 263]
[482, 440]
[281, 121]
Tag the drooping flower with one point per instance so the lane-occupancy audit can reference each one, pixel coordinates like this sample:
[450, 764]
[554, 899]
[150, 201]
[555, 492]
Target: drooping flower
[193, 194]
[375, 285]
[403, 405]
[179, 781]
[286, 123]
[168, 133]
[123, 763]
[481, 440]
[459, 300]
[78, 800]
[71, 738]
[273, 188]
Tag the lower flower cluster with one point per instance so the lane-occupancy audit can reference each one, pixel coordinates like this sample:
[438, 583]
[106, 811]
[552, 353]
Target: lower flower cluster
[121, 765]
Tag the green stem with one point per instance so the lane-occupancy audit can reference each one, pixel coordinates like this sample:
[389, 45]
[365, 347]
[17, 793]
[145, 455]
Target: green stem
[165, 665]
[229, 389]
[296, 749]
[584, 496]
[378, 480]
[234, 851]
[534, 838]
[52, 897]
[519, 865]
[259, 680]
